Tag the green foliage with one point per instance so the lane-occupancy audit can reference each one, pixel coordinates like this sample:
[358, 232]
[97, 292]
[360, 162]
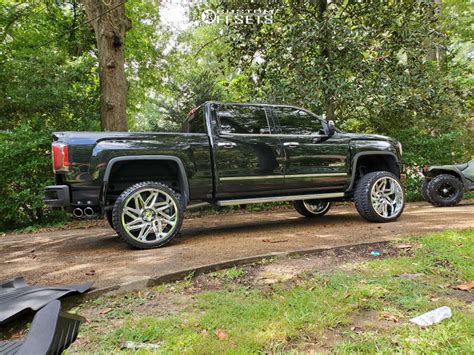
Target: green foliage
[25, 169]
[48, 82]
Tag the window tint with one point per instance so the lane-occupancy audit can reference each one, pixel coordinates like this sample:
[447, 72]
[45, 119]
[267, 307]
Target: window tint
[197, 124]
[238, 119]
[295, 121]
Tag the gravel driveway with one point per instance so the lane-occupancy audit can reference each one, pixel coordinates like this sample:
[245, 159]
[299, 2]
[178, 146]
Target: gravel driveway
[79, 255]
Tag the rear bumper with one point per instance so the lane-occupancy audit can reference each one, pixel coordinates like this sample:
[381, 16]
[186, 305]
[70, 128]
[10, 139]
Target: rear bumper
[57, 196]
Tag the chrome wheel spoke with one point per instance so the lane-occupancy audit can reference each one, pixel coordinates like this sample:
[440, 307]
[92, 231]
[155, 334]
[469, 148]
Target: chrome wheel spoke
[132, 212]
[144, 231]
[150, 201]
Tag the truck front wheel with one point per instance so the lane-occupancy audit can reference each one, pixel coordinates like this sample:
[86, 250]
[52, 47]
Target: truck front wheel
[379, 197]
[147, 215]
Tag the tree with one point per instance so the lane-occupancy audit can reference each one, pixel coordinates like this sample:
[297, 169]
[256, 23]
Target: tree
[110, 24]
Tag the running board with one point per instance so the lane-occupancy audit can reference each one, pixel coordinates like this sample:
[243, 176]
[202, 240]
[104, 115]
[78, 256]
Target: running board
[245, 201]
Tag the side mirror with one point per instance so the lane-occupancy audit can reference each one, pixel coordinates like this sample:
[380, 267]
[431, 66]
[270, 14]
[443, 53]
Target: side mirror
[331, 128]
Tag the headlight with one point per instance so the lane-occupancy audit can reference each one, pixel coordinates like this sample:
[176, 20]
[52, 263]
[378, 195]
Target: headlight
[399, 146]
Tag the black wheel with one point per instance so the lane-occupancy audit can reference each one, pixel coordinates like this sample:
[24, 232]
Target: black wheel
[445, 190]
[147, 215]
[312, 208]
[108, 215]
[424, 190]
[379, 197]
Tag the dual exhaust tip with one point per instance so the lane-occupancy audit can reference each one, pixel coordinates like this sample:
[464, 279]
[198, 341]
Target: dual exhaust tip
[86, 212]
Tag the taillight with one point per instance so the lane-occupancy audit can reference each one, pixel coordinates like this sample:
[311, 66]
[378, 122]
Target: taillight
[60, 156]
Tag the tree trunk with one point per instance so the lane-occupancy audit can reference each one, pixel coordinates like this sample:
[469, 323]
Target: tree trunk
[326, 55]
[110, 24]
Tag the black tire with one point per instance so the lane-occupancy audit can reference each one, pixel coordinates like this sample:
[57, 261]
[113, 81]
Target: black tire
[424, 190]
[365, 204]
[108, 215]
[445, 190]
[302, 208]
[143, 187]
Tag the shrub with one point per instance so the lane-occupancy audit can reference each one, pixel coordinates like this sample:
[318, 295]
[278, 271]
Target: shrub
[25, 169]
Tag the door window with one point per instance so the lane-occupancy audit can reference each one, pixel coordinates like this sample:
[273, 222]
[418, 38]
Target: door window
[237, 119]
[297, 122]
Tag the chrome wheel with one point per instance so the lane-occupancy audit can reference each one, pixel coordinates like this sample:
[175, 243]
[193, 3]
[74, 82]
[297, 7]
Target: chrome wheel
[387, 197]
[316, 206]
[149, 215]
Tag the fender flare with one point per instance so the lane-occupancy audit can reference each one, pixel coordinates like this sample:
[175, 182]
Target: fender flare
[458, 173]
[182, 178]
[360, 154]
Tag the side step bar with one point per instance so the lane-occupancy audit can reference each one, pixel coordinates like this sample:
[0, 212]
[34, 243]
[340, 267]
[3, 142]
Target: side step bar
[245, 201]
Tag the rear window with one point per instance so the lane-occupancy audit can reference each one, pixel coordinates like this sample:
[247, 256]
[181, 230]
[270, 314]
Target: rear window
[237, 119]
[196, 123]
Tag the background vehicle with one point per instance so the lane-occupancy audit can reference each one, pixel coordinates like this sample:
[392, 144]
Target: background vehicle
[227, 154]
[444, 185]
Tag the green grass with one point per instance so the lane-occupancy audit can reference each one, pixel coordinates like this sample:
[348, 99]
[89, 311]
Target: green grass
[233, 273]
[289, 316]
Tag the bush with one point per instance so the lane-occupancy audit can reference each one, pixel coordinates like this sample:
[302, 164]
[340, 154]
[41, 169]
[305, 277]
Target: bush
[25, 169]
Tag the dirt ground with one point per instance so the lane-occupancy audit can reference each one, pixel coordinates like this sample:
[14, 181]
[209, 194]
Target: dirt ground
[79, 255]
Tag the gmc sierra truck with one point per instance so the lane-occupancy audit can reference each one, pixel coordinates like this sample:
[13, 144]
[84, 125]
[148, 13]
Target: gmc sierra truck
[227, 154]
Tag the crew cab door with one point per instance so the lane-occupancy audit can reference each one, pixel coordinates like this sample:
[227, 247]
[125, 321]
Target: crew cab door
[249, 160]
[313, 161]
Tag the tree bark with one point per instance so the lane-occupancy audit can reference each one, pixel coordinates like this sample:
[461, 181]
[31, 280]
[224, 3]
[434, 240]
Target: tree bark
[322, 6]
[110, 24]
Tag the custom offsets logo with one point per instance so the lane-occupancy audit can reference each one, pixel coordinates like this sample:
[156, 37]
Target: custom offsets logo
[258, 16]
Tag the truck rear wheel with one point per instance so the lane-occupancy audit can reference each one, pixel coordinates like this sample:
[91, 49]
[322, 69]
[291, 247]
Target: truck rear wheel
[379, 197]
[312, 208]
[147, 215]
[445, 190]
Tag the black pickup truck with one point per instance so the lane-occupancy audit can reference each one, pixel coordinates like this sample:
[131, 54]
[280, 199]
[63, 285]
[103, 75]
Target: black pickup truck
[227, 154]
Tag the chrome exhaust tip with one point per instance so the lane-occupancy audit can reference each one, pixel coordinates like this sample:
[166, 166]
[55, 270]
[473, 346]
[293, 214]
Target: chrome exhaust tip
[77, 212]
[89, 212]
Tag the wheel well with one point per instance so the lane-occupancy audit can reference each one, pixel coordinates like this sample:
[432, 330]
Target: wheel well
[432, 173]
[377, 162]
[129, 172]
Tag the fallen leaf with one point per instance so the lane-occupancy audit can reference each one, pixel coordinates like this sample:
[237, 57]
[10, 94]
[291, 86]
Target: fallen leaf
[105, 310]
[390, 317]
[465, 286]
[222, 335]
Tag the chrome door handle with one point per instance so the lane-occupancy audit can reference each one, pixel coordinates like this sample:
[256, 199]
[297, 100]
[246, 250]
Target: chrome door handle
[291, 144]
[227, 145]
